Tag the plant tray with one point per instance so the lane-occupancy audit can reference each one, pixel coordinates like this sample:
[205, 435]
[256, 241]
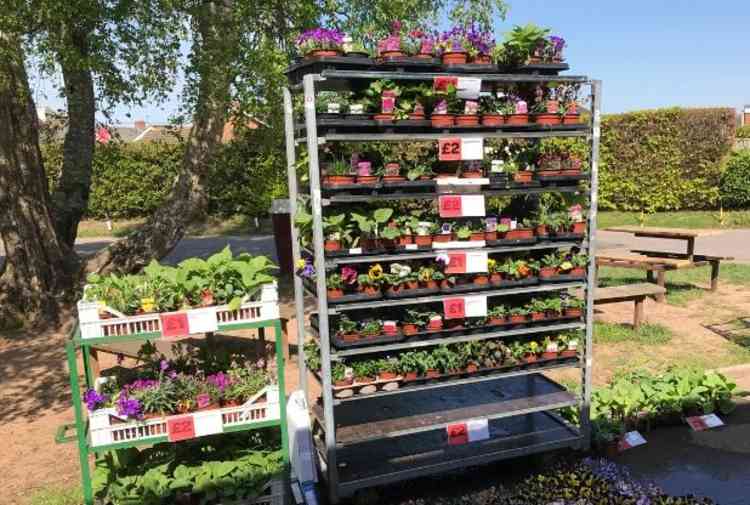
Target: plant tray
[462, 181]
[471, 68]
[105, 429]
[506, 242]
[509, 184]
[340, 344]
[538, 68]
[93, 326]
[303, 66]
[465, 288]
[351, 187]
[412, 293]
[409, 184]
[562, 278]
[528, 281]
[412, 247]
[354, 252]
[567, 236]
[547, 179]
[356, 297]
[357, 117]
[407, 62]
[459, 244]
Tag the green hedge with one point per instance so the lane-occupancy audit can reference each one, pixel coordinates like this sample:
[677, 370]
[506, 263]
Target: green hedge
[665, 159]
[735, 181]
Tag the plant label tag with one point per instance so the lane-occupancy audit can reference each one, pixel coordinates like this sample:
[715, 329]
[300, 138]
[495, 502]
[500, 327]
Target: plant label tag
[476, 262]
[202, 320]
[450, 206]
[458, 434]
[454, 308]
[472, 148]
[472, 206]
[456, 263]
[174, 324]
[629, 440]
[475, 306]
[479, 429]
[449, 149]
[411, 247]
[442, 82]
[355, 250]
[468, 88]
[702, 423]
[180, 428]
[208, 423]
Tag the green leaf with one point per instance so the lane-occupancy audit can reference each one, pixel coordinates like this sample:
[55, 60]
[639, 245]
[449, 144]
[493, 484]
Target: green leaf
[235, 303]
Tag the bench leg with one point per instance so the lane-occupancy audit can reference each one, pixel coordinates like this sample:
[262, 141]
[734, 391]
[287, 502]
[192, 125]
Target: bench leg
[661, 276]
[714, 275]
[638, 314]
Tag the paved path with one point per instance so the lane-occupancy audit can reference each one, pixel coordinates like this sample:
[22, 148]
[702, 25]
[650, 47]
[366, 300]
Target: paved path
[734, 243]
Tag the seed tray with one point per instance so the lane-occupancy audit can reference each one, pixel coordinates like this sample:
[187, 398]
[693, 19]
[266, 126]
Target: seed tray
[506, 242]
[566, 236]
[562, 278]
[357, 297]
[471, 68]
[513, 185]
[465, 288]
[561, 178]
[412, 293]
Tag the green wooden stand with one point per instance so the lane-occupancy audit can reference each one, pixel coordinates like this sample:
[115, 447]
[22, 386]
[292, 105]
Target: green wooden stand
[81, 424]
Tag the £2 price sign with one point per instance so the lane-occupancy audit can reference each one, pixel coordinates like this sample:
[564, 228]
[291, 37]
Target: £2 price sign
[449, 149]
[450, 206]
[180, 428]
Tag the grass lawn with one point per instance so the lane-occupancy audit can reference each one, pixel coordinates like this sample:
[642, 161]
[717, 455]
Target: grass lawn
[647, 334]
[235, 225]
[57, 496]
[682, 219]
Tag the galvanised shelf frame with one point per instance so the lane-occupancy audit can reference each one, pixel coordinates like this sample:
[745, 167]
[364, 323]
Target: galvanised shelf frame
[558, 434]
[81, 427]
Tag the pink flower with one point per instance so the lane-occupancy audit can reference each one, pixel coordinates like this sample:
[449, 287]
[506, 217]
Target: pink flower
[349, 275]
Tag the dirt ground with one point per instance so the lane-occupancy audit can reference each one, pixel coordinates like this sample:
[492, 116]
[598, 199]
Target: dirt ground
[35, 396]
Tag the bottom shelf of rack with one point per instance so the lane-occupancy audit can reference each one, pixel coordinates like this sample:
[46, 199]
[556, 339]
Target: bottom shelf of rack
[392, 460]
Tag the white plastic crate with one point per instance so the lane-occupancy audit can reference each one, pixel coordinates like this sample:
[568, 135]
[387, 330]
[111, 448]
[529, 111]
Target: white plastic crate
[105, 429]
[93, 326]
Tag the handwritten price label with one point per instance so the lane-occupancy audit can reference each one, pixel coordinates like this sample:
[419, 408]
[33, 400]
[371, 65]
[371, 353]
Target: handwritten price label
[450, 206]
[449, 149]
[454, 308]
[456, 263]
[442, 82]
[701, 423]
[458, 434]
[474, 430]
[174, 324]
[180, 428]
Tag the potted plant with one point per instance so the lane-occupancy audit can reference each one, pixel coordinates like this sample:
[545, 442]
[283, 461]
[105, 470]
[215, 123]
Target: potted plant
[444, 233]
[391, 46]
[532, 352]
[490, 107]
[430, 365]
[445, 108]
[424, 230]
[524, 44]
[550, 348]
[518, 315]
[368, 286]
[421, 171]
[410, 365]
[329, 104]
[414, 321]
[446, 361]
[364, 173]
[554, 307]
[347, 329]
[417, 44]
[547, 110]
[524, 231]
[469, 115]
[495, 270]
[497, 315]
[555, 46]
[338, 173]
[429, 277]
[370, 225]
[481, 279]
[384, 91]
[334, 285]
[403, 275]
[388, 369]
[568, 345]
[537, 309]
[453, 46]
[365, 372]
[341, 375]
[334, 229]
[550, 265]
[320, 42]
[519, 114]
[391, 172]
[517, 269]
[472, 169]
[435, 321]
[481, 45]
[573, 308]
[522, 176]
[580, 261]
[356, 50]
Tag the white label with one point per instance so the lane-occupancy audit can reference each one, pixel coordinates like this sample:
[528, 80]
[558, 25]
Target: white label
[712, 421]
[476, 262]
[478, 429]
[472, 206]
[631, 439]
[472, 148]
[497, 167]
[468, 87]
[334, 108]
[700, 423]
[356, 250]
[475, 306]
[202, 320]
[411, 247]
[208, 423]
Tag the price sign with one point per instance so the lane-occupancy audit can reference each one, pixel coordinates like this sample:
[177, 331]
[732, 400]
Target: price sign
[468, 88]
[466, 262]
[629, 440]
[701, 423]
[180, 428]
[458, 434]
[456, 263]
[449, 149]
[475, 306]
[474, 430]
[174, 324]
[454, 308]
[442, 82]
[450, 205]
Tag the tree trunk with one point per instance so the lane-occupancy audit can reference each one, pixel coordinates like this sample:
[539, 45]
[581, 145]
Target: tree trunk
[38, 271]
[71, 197]
[216, 49]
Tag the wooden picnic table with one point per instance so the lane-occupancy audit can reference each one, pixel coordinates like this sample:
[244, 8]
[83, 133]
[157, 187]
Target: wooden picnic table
[660, 261]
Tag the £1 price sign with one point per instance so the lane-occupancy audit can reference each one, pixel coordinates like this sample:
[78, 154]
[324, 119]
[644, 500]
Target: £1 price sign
[454, 308]
[449, 149]
[456, 263]
[174, 324]
[458, 434]
[180, 428]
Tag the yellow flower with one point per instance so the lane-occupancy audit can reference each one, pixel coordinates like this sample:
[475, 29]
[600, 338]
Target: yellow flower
[147, 304]
[376, 272]
[300, 263]
[491, 264]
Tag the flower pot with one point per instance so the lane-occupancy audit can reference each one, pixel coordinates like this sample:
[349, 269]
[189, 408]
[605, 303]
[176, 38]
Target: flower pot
[230, 403]
[476, 236]
[518, 119]
[318, 53]
[523, 176]
[387, 376]
[423, 240]
[371, 290]
[339, 180]
[493, 120]
[490, 235]
[367, 179]
[569, 353]
[547, 272]
[481, 280]
[496, 279]
[409, 329]
[473, 174]
[416, 116]
[393, 178]
[442, 120]
[541, 230]
[518, 319]
[385, 118]
[432, 374]
[538, 316]
[394, 290]
[549, 355]
[391, 54]
[471, 369]
[530, 358]
[364, 380]
[519, 234]
[410, 376]
[350, 337]
[435, 324]
[571, 119]
[548, 173]
[454, 58]
[343, 383]
[579, 227]
[442, 237]
[571, 171]
[573, 313]
[547, 119]
[482, 59]
[405, 240]
[496, 321]
[578, 272]
[412, 285]
[335, 293]
[431, 284]
[467, 120]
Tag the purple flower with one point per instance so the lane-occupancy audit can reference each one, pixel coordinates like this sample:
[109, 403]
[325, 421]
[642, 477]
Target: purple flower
[349, 275]
[203, 400]
[220, 380]
[129, 407]
[141, 384]
[557, 42]
[319, 38]
[172, 374]
[163, 365]
[305, 268]
[94, 400]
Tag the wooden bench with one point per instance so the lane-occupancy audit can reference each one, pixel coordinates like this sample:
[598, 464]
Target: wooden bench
[630, 292]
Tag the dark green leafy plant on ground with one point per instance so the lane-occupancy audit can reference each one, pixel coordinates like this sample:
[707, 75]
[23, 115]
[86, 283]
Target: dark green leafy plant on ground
[735, 181]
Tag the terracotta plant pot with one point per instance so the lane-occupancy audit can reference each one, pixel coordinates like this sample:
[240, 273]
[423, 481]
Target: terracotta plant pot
[519, 234]
[547, 272]
[541, 230]
[367, 179]
[454, 58]
[423, 240]
[549, 355]
[517, 319]
[387, 376]
[472, 369]
[572, 171]
[332, 245]
[538, 316]
[392, 54]
[344, 382]
[335, 293]
[490, 235]
[383, 117]
[442, 237]
[547, 119]
[493, 120]
[467, 120]
[473, 174]
[476, 236]
[518, 119]
[523, 176]
[394, 290]
[410, 376]
[549, 173]
[371, 291]
[406, 240]
[578, 272]
[435, 325]
[571, 119]
[496, 279]
[432, 374]
[431, 284]
[530, 358]
[350, 337]
[364, 380]
[338, 180]
[573, 313]
[567, 353]
[442, 120]
[412, 285]
[393, 178]
[579, 227]
[409, 329]
[481, 280]
[318, 53]
[416, 116]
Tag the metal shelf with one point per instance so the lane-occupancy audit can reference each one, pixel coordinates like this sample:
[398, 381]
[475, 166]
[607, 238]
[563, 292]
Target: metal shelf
[429, 76]
[547, 132]
[392, 460]
[420, 411]
[338, 198]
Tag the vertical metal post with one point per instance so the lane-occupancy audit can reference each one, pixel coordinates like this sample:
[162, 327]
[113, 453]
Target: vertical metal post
[281, 381]
[596, 93]
[83, 448]
[320, 269]
[299, 293]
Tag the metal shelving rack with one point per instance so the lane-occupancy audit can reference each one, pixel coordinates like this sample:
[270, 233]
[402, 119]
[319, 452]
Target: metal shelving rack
[398, 435]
